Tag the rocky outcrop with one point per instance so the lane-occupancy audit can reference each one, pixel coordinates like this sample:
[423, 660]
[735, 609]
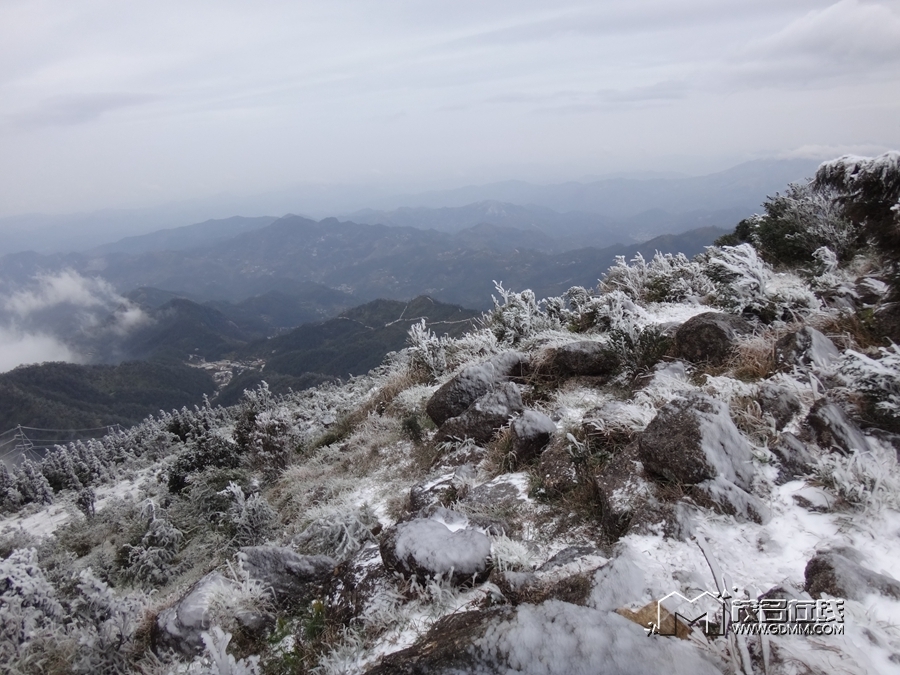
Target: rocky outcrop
[427, 547]
[485, 416]
[530, 433]
[710, 337]
[797, 459]
[557, 471]
[692, 440]
[839, 574]
[622, 490]
[780, 401]
[292, 578]
[585, 357]
[470, 384]
[833, 430]
[805, 347]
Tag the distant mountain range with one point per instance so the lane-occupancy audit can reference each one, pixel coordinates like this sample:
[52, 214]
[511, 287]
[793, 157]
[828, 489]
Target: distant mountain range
[363, 261]
[634, 207]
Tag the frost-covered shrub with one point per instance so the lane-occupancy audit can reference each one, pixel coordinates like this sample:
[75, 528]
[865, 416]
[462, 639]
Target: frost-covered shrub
[878, 379]
[339, 535]
[509, 554]
[151, 562]
[204, 449]
[32, 485]
[29, 606]
[604, 312]
[217, 661]
[666, 278]
[639, 349]
[238, 595]
[862, 479]
[265, 431]
[740, 277]
[250, 520]
[517, 317]
[427, 352]
[106, 626]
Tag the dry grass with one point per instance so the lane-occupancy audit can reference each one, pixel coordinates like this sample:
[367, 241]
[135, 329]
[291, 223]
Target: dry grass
[850, 331]
[754, 357]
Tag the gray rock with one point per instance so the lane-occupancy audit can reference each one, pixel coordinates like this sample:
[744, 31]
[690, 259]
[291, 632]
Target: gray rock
[293, 578]
[710, 337]
[779, 400]
[426, 548]
[833, 430]
[585, 357]
[726, 497]
[622, 490]
[887, 321]
[502, 494]
[558, 471]
[839, 574]
[691, 440]
[471, 383]
[870, 290]
[354, 583]
[531, 432]
[796, 459]
[805, 347]
[485, 416]
[431, 491]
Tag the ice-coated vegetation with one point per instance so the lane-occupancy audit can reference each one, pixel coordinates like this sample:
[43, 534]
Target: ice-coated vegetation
[783, 450]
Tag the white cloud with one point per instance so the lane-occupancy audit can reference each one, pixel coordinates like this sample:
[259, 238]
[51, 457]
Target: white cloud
[19, 348]
[65, 287]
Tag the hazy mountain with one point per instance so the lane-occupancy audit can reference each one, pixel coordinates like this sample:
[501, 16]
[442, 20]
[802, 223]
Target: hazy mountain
[187, 237]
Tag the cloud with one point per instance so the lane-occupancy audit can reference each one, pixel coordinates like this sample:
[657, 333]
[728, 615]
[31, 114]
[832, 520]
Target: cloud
[73, 109]
[63, 317]
[19, 348]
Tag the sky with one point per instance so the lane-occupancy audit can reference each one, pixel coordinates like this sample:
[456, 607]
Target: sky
[110, 104]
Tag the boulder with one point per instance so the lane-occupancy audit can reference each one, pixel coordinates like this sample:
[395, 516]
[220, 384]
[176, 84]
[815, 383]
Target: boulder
[484, 416]
[710, 337]
[586, 357]
[622, 490]
[180, 626]
[833, 430]
[530, 433]
[471, 383]
[557, 471]
[426, 548]
[839, 574]
[779, 400]
[293, 578]
[870, 291]
[692, 439]
[724, 496]
[503, 494]
[805, 347]
[797, 459]
[431, 491]
[354, 583]
[567, 576]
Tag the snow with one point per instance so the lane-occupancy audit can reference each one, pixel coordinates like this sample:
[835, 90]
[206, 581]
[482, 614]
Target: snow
[725, 447]
[440, 550]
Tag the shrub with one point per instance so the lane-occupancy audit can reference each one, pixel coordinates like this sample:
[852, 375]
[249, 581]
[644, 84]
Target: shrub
[250, 520]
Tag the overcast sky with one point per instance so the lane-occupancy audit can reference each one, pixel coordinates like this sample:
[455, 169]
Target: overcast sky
[105, 103]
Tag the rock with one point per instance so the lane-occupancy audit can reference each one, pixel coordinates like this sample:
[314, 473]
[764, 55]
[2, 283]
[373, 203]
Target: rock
[622, 490]
[484, 416]
[839, 574]
[354, 583]
[726, 497]
[692, 439]
[470, 384]
[779, 400]
[870, 291]
[432, 491]
[502, 494]
[833, 430]
[710, 337]
[427, 548]
[550, 637]
[293, 578]
[796, 459]
[887, 321]
[463, 454]
[567, 576]
[585, 357]
[531, 432]
[805, 347]
[558, 472]
[455, 520]
[179, 627]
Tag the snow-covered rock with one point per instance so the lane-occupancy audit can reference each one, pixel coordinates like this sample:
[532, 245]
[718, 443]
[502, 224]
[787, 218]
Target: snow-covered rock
[780, 400]
[426, 547]
[805, 347]
[710, 337]
[470, 384]
[531, 432]
[693, 439]
[833, 430]
[292, 578]
[796, 457]
[838, 573]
